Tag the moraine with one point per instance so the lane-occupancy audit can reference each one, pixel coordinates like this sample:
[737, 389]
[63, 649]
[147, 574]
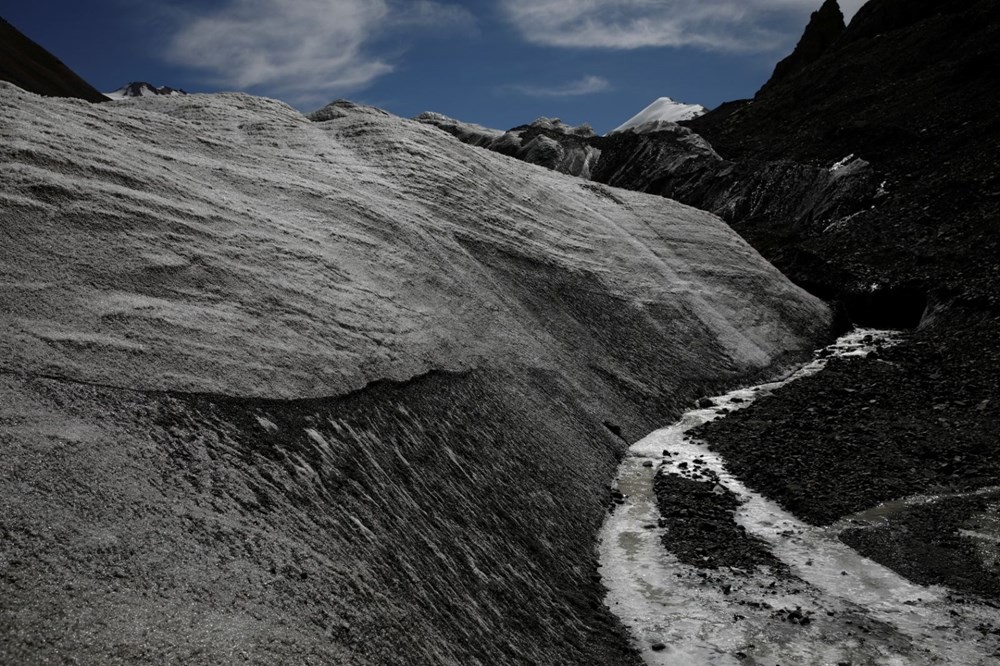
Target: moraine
[816, 601]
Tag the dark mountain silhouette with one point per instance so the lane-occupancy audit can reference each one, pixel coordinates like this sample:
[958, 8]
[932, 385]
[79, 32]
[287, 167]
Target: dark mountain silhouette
[825, 27]
[910, 88]
[29, 66]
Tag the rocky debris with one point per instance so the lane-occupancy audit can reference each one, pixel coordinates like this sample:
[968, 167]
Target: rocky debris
[938, 543]
[794, 616]
[866, 431]
[905, 89]
[698, 516]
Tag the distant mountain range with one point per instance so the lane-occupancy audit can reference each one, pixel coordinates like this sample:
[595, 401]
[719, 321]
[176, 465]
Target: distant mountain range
[142, 89]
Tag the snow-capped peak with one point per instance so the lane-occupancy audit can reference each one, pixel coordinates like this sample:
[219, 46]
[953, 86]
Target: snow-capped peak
[142, 89]
[662, 110]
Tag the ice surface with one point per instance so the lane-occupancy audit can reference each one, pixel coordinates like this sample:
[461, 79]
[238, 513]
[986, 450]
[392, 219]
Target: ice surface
[226, 243]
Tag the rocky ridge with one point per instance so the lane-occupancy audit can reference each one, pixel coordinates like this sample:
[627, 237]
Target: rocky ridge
[28, 65]
[142, 89]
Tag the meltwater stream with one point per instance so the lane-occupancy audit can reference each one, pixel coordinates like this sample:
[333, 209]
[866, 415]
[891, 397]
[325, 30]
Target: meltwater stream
[836, 607]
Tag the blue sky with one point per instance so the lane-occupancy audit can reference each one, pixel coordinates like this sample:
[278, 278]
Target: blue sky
[499, 63]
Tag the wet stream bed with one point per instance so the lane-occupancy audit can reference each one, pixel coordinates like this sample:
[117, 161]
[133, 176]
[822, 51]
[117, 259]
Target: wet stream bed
[703, 570]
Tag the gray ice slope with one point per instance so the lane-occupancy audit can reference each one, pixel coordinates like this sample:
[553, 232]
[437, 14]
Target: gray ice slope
[192, 287]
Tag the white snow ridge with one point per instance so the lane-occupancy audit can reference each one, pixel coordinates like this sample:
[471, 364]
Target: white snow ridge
[663, 110]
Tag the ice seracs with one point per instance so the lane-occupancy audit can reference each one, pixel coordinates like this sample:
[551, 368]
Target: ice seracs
[662, 110]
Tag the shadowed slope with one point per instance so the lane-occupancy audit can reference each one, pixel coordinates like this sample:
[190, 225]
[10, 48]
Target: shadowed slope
[28, 65]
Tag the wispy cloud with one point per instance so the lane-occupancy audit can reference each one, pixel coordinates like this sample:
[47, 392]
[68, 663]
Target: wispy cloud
[724, 25]
[588, 85]
[302, 49]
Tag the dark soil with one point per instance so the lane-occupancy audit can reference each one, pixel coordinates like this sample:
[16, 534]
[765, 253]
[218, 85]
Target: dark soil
[699, 516]
[924, 544]
[920, 418]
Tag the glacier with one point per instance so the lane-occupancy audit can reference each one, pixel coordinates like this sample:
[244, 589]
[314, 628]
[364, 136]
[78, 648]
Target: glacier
[335, 390]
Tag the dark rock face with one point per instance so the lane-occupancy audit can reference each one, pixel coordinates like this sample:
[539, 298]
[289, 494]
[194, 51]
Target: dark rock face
[825, 27]
[906, 89]
[879, 18]
[781, 195]
[29, 66]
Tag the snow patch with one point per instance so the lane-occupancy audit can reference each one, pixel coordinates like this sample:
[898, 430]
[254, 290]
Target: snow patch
[663, 110]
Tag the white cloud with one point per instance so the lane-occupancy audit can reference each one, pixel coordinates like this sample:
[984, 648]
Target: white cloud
[585, 86]
[303, 48]
[726, 25]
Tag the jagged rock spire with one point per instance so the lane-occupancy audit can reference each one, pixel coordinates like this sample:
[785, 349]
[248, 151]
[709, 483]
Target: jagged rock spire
[825, 27]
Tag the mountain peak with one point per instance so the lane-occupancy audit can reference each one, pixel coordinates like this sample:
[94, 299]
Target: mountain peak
[826, 25]
[660, 111]
[142, 89]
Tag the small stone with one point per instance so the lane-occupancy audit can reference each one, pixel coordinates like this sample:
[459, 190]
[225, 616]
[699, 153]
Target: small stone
[658, 647]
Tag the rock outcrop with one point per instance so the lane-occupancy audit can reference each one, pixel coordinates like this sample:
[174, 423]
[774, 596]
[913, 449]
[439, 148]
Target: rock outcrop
[825, 27]
[547, 142]
[335, 391]
[29, 66]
